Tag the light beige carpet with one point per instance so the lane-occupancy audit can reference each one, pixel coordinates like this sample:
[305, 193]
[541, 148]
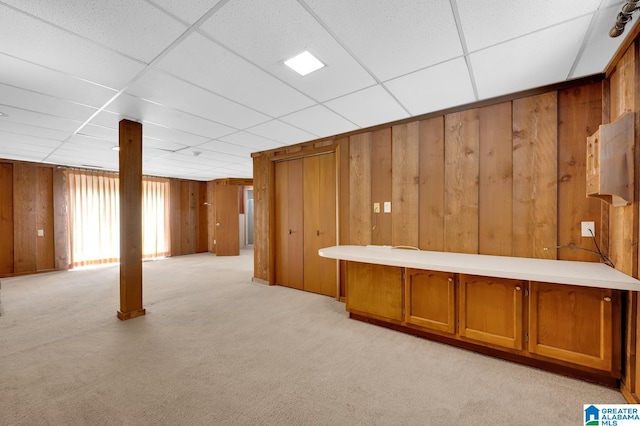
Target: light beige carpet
[218, 349]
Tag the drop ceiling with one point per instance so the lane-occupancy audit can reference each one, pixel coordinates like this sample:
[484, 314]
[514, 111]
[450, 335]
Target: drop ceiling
[207, 77]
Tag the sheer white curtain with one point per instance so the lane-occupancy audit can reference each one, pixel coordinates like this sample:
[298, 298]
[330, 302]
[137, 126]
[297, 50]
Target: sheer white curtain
[94, 217]
[155, 217]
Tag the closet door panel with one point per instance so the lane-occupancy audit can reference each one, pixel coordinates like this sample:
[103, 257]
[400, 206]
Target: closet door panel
[319, 192]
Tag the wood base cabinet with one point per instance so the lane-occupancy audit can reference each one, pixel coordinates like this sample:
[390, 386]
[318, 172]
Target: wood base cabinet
[430, 300]
[575, 324]
[565, 328]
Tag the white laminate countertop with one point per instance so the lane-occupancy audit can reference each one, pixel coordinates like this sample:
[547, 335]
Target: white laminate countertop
[587, 274]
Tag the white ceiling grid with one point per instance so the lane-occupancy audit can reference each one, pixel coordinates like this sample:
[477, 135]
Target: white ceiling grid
[206, 77]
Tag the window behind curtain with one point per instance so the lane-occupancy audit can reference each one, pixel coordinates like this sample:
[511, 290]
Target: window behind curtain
[94, 211]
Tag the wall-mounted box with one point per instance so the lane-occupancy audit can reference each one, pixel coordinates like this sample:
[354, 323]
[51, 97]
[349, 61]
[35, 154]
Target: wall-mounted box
[610, 162]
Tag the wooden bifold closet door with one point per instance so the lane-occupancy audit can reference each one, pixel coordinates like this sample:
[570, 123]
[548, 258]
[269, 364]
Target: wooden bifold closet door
[305, 211]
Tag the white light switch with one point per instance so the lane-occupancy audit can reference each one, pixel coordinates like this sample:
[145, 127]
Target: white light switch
[387, 206]
[40, 232]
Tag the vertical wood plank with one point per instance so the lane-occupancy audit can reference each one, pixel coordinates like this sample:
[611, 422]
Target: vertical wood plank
[264, 217]
[186, 219]
[6, 218]
[203, 228]
[360, 188]
[281, 224]
[60, 223]
[462, 135]
[495, 192]
[579, 115]
[295, 209]
[535, 171]
[381, 185]
[405, 184]
[130, 141]
[624, 220]
[175, 217]
[45, 257]
[344, 211]
[432, 186]
[210, 216]
[24, 216]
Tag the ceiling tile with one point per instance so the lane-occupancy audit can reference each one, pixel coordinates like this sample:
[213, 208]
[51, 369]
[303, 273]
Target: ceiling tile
[488, 22]
[24, 129]
[254, 142]
[189, 11]
[422, 92]
[527, 62]
[133, 27]
[212, 158]
[209, 65]
[170, 91]
[140, 110]
[19, 73]
[38, 119]
[46, 104]
[30, 39]
[227, 148]
[85, 143]
[23, 152]
[67, 157]
[287, 29]
[282, 132]
[320, 121]
[44, 145]
[395, 37]
[152, 130]
[368, 107]
[600, 47]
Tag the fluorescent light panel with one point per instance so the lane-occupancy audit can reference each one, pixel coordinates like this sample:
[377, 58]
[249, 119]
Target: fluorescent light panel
[304, 63]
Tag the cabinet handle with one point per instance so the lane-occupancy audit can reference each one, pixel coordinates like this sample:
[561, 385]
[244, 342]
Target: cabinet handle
[289, 231]
[218, 224]
[607, 299]
[317, 233]
[518, 287]
[450, 279]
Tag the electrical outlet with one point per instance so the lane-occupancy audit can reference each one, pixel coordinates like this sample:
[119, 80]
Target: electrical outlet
[387, 206]
[588, 229]
[376, 207]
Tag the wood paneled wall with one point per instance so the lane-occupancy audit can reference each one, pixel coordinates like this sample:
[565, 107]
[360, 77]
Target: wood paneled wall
[505, 179]
[33, 222]
[621, 93]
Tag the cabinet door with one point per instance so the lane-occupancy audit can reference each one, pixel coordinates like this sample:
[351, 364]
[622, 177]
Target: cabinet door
[573, 324]
[288, 218]
[375, 291]
[319, 188]
[430, 300]
[491, 310]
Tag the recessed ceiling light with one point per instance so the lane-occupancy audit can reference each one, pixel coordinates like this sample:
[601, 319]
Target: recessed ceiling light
[304, 63]
[2, 114]
[115, 148]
